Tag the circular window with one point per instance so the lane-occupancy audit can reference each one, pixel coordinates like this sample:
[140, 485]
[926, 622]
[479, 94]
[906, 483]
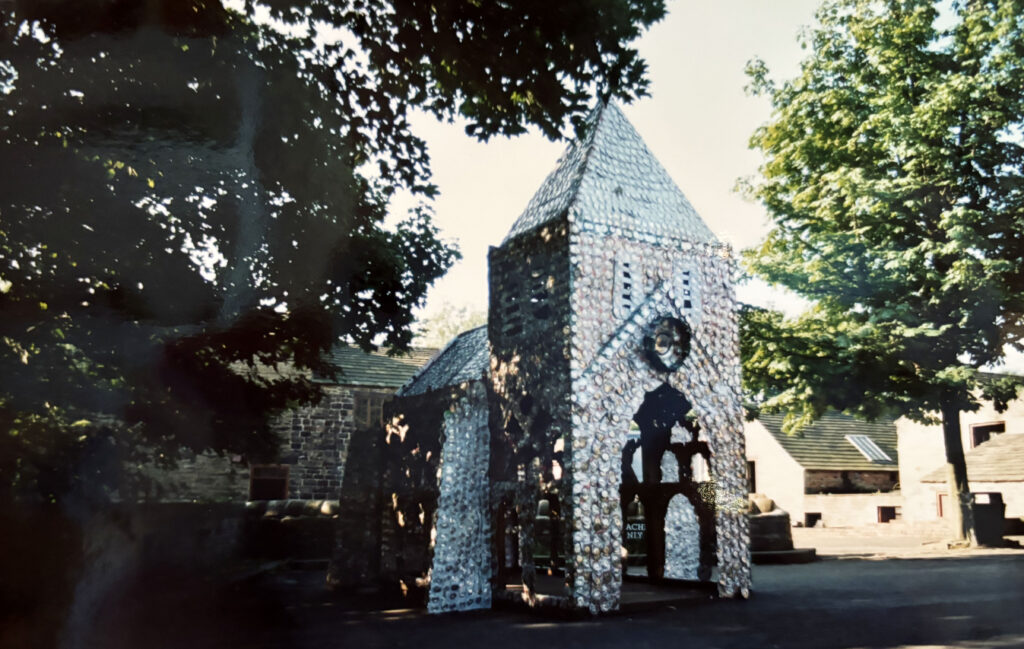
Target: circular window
[667, 343]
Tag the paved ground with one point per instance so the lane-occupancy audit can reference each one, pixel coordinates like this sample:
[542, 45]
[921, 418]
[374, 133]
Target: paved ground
[911, 596]
[873, 543]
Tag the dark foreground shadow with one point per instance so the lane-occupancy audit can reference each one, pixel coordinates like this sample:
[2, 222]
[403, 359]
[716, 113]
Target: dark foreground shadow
[969, 602]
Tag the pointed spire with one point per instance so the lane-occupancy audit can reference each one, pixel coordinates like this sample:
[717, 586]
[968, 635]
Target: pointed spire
[609, 182]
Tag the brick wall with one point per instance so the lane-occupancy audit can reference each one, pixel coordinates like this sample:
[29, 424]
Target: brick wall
[317, 438]
[314, 444]
[839, 482]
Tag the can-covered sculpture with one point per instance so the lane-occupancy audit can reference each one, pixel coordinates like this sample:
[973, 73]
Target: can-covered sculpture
[611, 336]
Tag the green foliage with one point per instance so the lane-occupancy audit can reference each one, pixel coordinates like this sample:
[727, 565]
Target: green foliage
[894, 174]
[195, 195]
[449, 321]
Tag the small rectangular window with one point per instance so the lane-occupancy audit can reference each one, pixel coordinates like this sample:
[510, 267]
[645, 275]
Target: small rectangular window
[624, 287]
[368, 409]
[886, 514]
[981, 433]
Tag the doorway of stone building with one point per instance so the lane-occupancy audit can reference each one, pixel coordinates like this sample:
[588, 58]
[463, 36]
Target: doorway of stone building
[667, 494]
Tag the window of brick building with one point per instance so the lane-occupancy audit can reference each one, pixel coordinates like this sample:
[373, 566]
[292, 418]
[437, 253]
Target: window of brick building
[981, 433]
[368, 409]
[268, 482]
[886, 514]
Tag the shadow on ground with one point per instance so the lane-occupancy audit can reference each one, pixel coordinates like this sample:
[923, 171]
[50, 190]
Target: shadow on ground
[971, 602]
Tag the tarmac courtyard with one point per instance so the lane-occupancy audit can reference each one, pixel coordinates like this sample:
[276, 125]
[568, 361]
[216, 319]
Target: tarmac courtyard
[897, 594]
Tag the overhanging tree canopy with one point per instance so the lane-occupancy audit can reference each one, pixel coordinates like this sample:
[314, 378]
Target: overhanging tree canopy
[894, 176]
[193, 192]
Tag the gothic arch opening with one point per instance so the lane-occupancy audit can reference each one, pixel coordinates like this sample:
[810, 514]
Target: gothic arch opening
[668, 505]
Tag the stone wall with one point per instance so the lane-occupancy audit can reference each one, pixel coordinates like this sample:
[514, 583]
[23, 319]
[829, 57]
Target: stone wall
[205, 477]
[1013, 497]
[314, 444]
[922, 450]
[851, 510]
[529, 386]
[848, 482]
[316, 439]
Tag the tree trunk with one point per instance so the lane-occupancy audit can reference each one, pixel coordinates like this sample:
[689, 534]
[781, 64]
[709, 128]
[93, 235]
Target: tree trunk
[252, 209]
[956, 477]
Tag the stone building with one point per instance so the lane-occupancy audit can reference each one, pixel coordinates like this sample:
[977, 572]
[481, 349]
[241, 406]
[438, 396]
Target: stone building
[611, 302]
[996, 468]
[315, 439]
[838, 472]
[831, 474]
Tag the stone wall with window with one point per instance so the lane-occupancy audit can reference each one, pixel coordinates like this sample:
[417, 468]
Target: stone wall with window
[310, 466]
[852, 509]
[316, 438]
[922, 451]
[849, 482]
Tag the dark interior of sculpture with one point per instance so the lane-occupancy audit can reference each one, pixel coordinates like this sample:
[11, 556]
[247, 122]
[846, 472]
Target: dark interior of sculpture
[673, 498]
[411, 452]
[530, 530]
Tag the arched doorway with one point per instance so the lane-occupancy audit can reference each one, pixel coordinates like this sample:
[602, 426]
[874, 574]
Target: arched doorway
[672, 499]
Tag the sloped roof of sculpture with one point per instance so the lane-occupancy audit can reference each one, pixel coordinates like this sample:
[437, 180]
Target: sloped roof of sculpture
[823, 445]
[463, 359]
[611, 183]
[1000, 459]
[375, 369]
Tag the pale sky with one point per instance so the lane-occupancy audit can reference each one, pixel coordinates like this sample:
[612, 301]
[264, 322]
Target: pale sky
[697, 122]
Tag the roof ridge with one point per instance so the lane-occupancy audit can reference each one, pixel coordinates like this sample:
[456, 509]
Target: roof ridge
[609, 182]
[582, 147]
[436, 358]
[591, 137]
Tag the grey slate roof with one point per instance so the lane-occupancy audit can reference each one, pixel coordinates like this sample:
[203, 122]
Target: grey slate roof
[610, 182]
[375, 369]
[1000, 459]
[465, 358]
[823, 445]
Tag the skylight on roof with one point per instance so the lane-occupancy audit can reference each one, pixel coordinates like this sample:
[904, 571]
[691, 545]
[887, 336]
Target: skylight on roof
[869, 449]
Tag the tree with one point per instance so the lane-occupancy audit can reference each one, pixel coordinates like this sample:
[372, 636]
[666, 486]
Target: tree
[447, 322]
[894, 176]
[195, 194]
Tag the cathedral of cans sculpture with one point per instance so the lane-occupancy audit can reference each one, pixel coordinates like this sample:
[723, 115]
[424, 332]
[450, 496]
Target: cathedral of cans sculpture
[593, 428]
